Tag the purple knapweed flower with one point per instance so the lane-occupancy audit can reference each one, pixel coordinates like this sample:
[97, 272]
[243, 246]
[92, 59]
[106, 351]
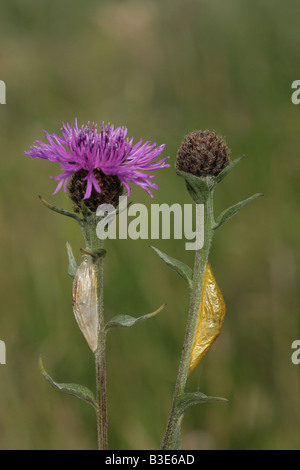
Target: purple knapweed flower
[99, 164]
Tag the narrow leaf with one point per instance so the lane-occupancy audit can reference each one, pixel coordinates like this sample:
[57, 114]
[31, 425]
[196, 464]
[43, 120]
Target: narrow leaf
[181, 268]
[186, 400]
[196, 186]
[228, 169]
[72, 266]
[231, 211]
[126, 321]
[60, 210]
[183, 402]
[86, 212]
[79, 391]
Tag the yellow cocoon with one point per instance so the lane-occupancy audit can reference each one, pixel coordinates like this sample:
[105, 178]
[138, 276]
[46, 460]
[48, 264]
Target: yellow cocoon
[211, 317]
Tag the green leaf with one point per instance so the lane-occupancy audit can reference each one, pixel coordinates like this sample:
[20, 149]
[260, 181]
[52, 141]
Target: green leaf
[198, 187]
[86, 212]
[181, 268]
[72, 266]
[126, 321]
[186, 400]
[79, 391]
[228, 169]
[183, 402]
[60, 210]
[231, 211]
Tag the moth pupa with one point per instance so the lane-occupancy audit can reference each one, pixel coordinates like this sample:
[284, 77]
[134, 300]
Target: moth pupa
[211, 317]
[85, 301]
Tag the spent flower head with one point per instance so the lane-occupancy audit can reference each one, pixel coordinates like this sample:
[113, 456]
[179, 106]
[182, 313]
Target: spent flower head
[97, 166]
[202, 153]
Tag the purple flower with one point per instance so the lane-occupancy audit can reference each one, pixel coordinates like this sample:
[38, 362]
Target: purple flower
[109, 152]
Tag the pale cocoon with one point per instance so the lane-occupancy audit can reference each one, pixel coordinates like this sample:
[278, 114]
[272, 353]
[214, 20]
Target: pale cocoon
[85, 301]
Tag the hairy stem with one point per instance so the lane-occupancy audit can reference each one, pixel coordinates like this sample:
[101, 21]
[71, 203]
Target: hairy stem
[95, 247]
[100, 362]
[201, 256]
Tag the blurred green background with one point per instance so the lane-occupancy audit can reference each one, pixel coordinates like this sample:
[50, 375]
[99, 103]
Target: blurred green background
[162, 68]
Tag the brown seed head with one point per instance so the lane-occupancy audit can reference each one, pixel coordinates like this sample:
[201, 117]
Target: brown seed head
[202, 153]
[111, 189]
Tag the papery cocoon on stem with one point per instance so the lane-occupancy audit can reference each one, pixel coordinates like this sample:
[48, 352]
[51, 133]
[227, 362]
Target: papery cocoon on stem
[211, 317]
[85, 301]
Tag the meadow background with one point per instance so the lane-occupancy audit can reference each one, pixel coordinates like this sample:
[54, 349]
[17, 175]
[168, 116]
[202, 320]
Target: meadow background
[162, 68]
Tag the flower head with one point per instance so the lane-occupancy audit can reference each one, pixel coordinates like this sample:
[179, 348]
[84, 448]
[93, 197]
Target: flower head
[98, 166]
[202, 153]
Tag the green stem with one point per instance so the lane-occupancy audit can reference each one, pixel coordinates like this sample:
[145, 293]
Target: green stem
[201, 256]
[95, 245]
[100, 362]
